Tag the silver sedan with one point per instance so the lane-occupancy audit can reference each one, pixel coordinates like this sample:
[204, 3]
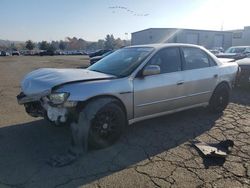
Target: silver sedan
[132, 84]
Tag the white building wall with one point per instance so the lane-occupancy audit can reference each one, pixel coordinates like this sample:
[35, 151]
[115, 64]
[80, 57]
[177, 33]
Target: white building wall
[151, 36]
[241, 37]
[208, 39]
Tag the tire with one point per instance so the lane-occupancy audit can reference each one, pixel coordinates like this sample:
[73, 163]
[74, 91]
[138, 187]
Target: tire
[219, 99]
[106, 119]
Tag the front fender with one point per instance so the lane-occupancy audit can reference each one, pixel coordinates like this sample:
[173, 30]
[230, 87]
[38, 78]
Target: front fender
[121, 88]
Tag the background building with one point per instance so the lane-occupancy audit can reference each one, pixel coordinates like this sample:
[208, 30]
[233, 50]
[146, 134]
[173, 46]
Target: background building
[241, 37]
[206, 38]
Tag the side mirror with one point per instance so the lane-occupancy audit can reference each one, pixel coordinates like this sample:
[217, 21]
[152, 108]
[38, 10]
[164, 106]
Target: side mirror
[151, 70]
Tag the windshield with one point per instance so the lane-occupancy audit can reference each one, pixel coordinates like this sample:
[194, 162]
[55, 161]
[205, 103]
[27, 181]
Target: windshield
[235, 50]
[122, 62]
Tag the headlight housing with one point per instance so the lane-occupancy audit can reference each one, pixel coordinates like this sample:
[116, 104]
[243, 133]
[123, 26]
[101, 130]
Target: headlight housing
[58, 98]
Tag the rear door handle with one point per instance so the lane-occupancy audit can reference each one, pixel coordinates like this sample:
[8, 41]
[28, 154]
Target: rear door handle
[180, 82]
[215, 75]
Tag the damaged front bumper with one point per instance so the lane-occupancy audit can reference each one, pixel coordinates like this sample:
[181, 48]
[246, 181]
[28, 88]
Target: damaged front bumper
[22, 98]
[40, 106]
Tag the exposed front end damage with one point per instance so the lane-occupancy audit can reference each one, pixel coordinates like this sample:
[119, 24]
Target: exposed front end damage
[58, 115]
[34, 109]
[41, 106]
[40, 95]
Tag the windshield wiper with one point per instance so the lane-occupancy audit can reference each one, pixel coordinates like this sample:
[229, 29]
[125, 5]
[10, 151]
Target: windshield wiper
[103, 72]
[96, 71]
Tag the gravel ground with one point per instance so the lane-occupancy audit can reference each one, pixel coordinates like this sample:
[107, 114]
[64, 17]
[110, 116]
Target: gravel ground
[152, 153]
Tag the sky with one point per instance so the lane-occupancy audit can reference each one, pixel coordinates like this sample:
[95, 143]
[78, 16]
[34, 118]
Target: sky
[91, 20]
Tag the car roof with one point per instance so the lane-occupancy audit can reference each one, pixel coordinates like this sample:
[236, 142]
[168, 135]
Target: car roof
[159, 46]
[240, 46]
[163, 45]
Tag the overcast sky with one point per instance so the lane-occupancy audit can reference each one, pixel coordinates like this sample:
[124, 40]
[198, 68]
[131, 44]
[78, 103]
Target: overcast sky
[93, 19]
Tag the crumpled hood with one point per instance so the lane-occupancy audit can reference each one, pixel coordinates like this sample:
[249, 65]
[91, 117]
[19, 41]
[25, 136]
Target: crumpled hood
[45, 79]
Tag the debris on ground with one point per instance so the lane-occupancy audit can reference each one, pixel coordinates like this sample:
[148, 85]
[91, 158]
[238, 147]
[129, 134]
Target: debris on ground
[221, 149]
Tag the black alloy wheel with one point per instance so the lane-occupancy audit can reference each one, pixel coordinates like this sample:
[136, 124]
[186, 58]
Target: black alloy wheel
[107, 126]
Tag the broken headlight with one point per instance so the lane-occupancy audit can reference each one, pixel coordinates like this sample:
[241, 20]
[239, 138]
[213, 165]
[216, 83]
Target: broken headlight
[58, 98]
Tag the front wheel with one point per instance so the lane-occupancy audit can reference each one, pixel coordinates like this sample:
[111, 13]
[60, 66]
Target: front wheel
[219, 99]
[107, 126]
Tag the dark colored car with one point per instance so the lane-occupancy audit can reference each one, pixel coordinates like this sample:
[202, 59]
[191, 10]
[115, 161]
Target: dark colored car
[47, 52]
[97, 58]
[244, 78]
[235, 52]
[99, 52]
[17, 53]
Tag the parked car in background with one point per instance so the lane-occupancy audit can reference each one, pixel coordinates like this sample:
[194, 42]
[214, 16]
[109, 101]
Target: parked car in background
[244, 78]
[46, 53]
[57, 52]
[97, 58]
[215, 52]
[79, 53]
[72, 52]
[131, 84]
[99, 52]
[235, 52]
[17, 53]
[4, 53]
[220, 49]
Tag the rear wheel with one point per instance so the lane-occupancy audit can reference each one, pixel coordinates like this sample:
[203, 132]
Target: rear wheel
[219, 99]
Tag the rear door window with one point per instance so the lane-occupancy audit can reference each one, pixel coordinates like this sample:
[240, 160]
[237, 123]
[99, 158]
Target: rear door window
[195, 58]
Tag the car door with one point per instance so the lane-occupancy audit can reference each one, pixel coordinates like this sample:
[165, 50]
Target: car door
[200, 75]
[162, 92]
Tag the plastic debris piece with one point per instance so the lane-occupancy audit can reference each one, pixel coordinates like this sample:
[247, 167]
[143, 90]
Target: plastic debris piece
[221, 149]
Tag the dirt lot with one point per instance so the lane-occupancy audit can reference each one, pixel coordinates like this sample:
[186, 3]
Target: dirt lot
[153, 153]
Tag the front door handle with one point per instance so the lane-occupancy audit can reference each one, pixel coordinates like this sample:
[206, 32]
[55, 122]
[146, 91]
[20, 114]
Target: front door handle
[180, 82]
[215, 75]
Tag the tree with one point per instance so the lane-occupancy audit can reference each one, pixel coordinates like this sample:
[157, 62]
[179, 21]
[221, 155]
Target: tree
[126, 42]
[100, 44]
[62, 45]
[92, 46]
[44, 45]
[13, 46]
[20, 46]
[29, 45]
[109, 42]
[119, 43]
[82, 44]
[72, 43]
[51, 48]
[55, 44]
